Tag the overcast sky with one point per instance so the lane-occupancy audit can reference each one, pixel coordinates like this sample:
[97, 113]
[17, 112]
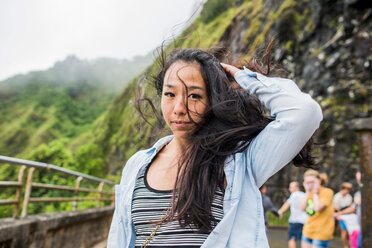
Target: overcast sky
[35, 34]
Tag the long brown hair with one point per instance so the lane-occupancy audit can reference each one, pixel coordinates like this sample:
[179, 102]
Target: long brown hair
[233, 118]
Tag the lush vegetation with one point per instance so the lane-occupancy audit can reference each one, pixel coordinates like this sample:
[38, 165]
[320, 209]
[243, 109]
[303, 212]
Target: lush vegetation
[62, 102]
[213, 8]
[47, 114]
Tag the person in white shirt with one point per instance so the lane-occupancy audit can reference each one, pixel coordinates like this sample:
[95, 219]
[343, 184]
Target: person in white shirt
[341, 201]
[352, 226]
[356, 207]
[297, 217]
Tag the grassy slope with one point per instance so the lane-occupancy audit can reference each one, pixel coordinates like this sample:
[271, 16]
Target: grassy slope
[44, 112]
[61, 102]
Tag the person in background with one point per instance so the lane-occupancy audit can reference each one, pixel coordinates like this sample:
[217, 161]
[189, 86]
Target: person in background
[298, 217]
[356, 207]
[319, 227]
[342, 200]
[352, 226]
[267, 205]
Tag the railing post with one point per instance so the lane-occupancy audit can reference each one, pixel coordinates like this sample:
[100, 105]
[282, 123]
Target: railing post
[113, 197]
[77, 189]
[100, 187]
[364, 129]
[28, 192]
[21, 176]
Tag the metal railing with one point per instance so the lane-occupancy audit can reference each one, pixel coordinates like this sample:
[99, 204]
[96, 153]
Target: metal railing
[27, 199]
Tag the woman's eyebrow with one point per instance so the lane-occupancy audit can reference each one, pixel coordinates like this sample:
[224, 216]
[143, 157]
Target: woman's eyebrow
[195, 87]
[191, 87]
[168, 85]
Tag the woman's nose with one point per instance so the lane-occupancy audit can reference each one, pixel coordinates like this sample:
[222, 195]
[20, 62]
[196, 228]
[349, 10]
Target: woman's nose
[179, 106]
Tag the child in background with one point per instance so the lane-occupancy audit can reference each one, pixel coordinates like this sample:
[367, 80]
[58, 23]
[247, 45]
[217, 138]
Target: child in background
[298, 218]
[352, 227]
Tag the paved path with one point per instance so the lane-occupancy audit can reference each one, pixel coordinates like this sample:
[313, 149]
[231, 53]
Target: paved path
[278, 239]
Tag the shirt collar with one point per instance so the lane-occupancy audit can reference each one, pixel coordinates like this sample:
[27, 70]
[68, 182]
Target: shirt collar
[158, 146]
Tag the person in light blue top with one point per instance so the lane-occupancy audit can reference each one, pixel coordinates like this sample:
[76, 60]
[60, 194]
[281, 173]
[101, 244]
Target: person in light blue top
[221, 142]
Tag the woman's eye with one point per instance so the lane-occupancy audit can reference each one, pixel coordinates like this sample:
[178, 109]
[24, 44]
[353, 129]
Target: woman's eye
[194, 96]
[169, 94]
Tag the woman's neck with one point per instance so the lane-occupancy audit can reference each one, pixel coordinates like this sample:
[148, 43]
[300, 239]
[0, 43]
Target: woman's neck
[177, 146]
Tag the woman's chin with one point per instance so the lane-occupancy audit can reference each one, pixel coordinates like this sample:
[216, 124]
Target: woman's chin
[182, 134]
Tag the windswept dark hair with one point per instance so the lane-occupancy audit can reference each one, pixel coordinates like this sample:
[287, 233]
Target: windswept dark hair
[232, 119]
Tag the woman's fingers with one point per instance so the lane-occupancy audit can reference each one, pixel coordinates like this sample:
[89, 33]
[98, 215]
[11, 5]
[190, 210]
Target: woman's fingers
[230, 69]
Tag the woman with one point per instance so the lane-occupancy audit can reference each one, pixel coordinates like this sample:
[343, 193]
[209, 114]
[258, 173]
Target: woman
[200, 186]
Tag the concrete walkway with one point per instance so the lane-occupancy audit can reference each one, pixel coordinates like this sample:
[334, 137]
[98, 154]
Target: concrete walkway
[278, 239]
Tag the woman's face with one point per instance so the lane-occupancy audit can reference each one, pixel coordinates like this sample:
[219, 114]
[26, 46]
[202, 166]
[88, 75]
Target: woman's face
[183, 84]
[310, 182]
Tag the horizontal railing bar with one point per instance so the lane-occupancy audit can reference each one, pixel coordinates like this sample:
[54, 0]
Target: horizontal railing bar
[34, 164]
[61, 199]
[52, 186]
[94, 191]
[60, 187]
[10, 184]
[88, 190]
[106, 199]
[8, 202]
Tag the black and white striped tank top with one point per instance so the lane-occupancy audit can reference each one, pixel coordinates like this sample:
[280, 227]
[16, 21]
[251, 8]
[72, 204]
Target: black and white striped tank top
[150, 205]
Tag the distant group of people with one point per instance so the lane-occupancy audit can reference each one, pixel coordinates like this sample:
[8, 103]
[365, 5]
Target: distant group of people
[315, 213]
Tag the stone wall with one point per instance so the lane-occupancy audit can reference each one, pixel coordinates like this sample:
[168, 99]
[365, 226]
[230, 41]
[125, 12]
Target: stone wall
[68, 229]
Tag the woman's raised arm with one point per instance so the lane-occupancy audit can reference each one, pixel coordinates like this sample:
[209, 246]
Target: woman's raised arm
[297, 116]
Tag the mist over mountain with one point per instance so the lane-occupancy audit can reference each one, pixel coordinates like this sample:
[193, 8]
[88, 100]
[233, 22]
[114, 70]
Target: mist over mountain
[108, 73]
[61, 102]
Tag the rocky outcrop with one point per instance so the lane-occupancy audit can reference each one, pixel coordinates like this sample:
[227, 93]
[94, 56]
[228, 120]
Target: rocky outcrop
[326, 46]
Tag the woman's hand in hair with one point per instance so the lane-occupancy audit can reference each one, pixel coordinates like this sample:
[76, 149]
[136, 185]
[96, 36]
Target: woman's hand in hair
[230, 72]
[230, 69]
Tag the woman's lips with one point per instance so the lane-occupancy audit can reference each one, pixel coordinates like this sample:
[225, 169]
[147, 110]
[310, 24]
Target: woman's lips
[180, 123]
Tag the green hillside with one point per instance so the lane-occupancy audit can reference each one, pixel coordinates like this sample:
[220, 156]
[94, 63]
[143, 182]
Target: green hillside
[45, 114]
[61, 102]
[327, 55]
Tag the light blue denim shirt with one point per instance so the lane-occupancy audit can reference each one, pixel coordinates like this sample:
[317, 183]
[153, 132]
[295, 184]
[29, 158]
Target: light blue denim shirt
[297, 118]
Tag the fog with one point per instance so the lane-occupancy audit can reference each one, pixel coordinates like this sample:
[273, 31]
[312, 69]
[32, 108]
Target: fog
[35, 34]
